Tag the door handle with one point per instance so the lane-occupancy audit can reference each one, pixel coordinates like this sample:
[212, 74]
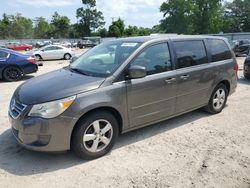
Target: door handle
[170, 80]
[185, 77]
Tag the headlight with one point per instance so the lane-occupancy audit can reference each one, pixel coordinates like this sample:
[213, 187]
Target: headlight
[51, 109]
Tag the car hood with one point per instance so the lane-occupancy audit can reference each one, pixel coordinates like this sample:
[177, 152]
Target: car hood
[55, 85]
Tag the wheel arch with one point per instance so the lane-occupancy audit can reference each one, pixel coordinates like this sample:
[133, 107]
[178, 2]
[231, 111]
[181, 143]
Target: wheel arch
[38, 55]
[16, 66]
[112, 110]
[227, 84]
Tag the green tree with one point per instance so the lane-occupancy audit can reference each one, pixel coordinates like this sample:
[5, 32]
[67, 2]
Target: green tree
[42, 28]
[192, 16]
[60, 26]
[177, 16]
[206, 16]
[131, 31]
[20, 27]
[237, 16]
[103, 32]
[90, 18]
[116, 29]
[5, 25]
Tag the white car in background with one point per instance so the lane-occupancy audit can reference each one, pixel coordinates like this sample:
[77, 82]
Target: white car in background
[51, 52]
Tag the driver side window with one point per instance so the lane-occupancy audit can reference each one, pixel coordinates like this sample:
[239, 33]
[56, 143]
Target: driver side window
[156, 59]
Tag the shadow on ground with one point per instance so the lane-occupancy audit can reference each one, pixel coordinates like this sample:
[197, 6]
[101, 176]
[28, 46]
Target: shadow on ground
[21, 162]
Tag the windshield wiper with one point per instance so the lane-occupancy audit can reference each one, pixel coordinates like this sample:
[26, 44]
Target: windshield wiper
[78, 71]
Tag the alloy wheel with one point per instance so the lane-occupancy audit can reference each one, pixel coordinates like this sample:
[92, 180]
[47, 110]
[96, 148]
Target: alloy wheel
[98, 136]
[219, 99]
[12, 74]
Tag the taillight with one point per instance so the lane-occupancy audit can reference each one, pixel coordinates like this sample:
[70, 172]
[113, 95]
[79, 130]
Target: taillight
[236, 68]
[31, 60]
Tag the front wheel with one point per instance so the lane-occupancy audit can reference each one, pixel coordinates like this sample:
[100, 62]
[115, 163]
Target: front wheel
[218, 99]
[12, 74]
[95, 135]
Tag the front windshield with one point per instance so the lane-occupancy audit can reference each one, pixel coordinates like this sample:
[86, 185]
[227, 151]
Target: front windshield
[105, 58]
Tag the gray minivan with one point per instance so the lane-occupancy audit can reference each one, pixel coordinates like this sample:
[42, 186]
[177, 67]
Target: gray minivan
[119, 86]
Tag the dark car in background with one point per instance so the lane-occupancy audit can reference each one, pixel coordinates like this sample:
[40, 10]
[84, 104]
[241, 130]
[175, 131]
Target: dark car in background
[13, 65]
[242, 47]
[40, 44]
[89, 42]
[86, 44]
[246, 69]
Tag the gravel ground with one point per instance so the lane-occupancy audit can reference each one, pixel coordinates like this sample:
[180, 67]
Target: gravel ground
[193, 150]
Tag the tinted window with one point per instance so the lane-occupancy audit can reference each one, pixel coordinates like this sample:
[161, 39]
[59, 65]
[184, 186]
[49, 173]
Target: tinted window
[3, 54]
[49, 48]
[190, 53]
[58, 48]
[219, 50]
[156, 59]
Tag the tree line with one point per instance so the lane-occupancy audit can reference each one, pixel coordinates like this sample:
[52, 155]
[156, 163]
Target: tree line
[179, 16]
[205, 16]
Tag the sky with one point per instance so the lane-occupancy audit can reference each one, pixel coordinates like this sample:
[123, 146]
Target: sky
[143, 13]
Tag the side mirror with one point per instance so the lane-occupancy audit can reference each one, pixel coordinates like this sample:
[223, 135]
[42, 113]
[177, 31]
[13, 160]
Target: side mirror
[136, 72]
[73, 59]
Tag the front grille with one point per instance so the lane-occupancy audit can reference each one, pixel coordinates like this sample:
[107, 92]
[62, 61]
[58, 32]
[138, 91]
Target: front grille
[16, 108]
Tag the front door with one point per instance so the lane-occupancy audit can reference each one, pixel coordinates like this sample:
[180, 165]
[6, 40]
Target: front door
[194, 74]
[152, 98]
[49, 53]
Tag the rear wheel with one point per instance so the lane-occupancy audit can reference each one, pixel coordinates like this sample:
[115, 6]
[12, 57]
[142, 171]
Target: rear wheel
[67, 56]
[95, 135]
[218, 99]
[12, 74]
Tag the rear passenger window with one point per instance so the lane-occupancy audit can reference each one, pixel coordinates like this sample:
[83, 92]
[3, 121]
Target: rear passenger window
[219, 50]
[3, 54]
[190, 53]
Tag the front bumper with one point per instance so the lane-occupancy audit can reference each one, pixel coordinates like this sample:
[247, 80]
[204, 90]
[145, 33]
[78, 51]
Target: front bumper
[38, 134]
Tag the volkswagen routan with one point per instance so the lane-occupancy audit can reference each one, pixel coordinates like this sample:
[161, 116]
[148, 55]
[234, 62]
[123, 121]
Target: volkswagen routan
[119, 86]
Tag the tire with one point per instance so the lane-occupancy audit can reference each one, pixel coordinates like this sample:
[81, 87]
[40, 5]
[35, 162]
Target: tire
[214, 107]
[38, 57]
[12, 74]
[67, 56]
[87, 128]
[247, 77]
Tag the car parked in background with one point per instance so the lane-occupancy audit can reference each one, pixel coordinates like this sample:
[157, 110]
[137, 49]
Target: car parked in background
[19, 46]
[242, 47]
[42, 44]
[51, 52]
[120, 86]
[246, 69]
[14, 65]
[85, 44]
[66, 44]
